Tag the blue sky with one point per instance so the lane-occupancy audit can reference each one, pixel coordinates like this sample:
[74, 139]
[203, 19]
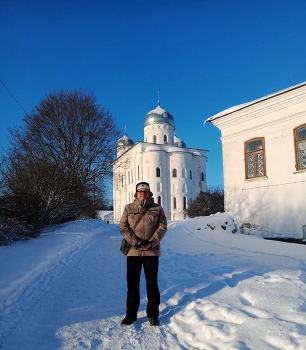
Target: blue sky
[202, 55]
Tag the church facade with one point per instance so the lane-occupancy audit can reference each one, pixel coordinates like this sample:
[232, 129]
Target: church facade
[176, 174]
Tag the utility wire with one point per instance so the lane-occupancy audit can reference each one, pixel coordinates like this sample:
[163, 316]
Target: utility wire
[14, 98]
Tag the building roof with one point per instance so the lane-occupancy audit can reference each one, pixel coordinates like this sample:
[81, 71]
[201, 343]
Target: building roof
[125, 141]
[159, 116]
[247, 104]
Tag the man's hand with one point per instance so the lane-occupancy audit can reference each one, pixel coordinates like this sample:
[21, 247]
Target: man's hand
[141, 243]
[145, 247]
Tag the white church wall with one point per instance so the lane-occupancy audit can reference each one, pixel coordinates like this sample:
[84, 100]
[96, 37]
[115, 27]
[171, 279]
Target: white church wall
[199, 167]
[159, 131]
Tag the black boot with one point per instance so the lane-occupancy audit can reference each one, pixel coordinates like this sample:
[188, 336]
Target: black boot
[154, 321]
[128, 320]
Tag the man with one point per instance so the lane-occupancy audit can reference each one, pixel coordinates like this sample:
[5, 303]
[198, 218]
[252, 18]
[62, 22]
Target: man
[151, 226]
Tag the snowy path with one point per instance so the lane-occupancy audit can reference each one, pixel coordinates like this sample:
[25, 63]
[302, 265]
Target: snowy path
[66, 290]
[79, 302]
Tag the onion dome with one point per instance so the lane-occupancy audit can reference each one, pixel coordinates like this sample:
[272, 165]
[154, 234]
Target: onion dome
[178, 142]
[125, 141]
[158, 116]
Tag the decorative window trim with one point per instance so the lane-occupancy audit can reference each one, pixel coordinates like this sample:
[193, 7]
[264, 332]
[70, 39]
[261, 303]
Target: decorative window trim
[255, 154]
[300, 149]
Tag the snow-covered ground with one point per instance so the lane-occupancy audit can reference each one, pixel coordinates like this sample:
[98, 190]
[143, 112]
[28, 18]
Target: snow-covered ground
[219, 290]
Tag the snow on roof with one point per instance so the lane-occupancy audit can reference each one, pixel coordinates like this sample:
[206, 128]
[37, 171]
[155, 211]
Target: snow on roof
[153, 148]
[158, 110]
[176, 149]
[103, 213]
[247, 104]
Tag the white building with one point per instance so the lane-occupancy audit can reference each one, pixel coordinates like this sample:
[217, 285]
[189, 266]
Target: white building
[264, 161]
[105, 215]
[176, 174]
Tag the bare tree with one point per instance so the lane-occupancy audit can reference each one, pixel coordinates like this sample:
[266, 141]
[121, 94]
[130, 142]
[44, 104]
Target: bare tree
[60, 158]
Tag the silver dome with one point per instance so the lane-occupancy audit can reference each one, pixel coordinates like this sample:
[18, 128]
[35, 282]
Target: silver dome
[125, 141]
[159, 116]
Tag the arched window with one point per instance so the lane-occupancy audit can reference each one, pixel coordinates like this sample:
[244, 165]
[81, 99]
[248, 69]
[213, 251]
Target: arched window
[202, 177]
[157, 172]
[174, 172]
[184, 203]
[174, 202]
[300, 147]
[255, 158]
[190, 175]
[159, 200]
[165, 139]
[154, 139]
[184, 172]
[184, 188]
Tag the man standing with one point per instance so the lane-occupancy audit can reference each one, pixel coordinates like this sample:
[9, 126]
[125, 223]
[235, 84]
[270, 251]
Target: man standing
[143, 224]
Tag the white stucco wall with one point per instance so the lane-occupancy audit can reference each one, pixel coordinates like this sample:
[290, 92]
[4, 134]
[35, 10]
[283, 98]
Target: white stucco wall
[159, 130]
[276, 203]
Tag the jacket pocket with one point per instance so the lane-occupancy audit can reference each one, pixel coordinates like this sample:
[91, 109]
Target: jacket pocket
[153, 215]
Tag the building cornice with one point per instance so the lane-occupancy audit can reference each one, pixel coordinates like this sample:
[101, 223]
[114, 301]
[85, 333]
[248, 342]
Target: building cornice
[264, 125]
[263, 106]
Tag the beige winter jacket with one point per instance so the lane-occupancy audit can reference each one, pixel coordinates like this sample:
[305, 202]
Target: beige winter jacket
[152, 226]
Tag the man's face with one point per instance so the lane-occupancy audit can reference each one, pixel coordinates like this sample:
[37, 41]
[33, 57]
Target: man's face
[143, 194]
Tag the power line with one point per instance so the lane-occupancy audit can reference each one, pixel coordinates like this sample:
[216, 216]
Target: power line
[14, 98]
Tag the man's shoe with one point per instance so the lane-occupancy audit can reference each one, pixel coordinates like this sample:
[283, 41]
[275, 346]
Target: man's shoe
[154, 321]
[128, 320]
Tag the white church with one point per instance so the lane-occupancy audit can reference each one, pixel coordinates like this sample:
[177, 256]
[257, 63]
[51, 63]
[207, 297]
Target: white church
[176, 174]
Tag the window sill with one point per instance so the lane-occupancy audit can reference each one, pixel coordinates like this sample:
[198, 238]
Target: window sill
[299, 171]
[258, 178]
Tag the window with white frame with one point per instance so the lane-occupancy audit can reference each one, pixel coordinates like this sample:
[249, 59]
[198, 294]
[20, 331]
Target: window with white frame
[255, 158]
[300, 147]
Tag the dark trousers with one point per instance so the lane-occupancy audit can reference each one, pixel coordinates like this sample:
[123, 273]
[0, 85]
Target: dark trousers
[150, 267]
